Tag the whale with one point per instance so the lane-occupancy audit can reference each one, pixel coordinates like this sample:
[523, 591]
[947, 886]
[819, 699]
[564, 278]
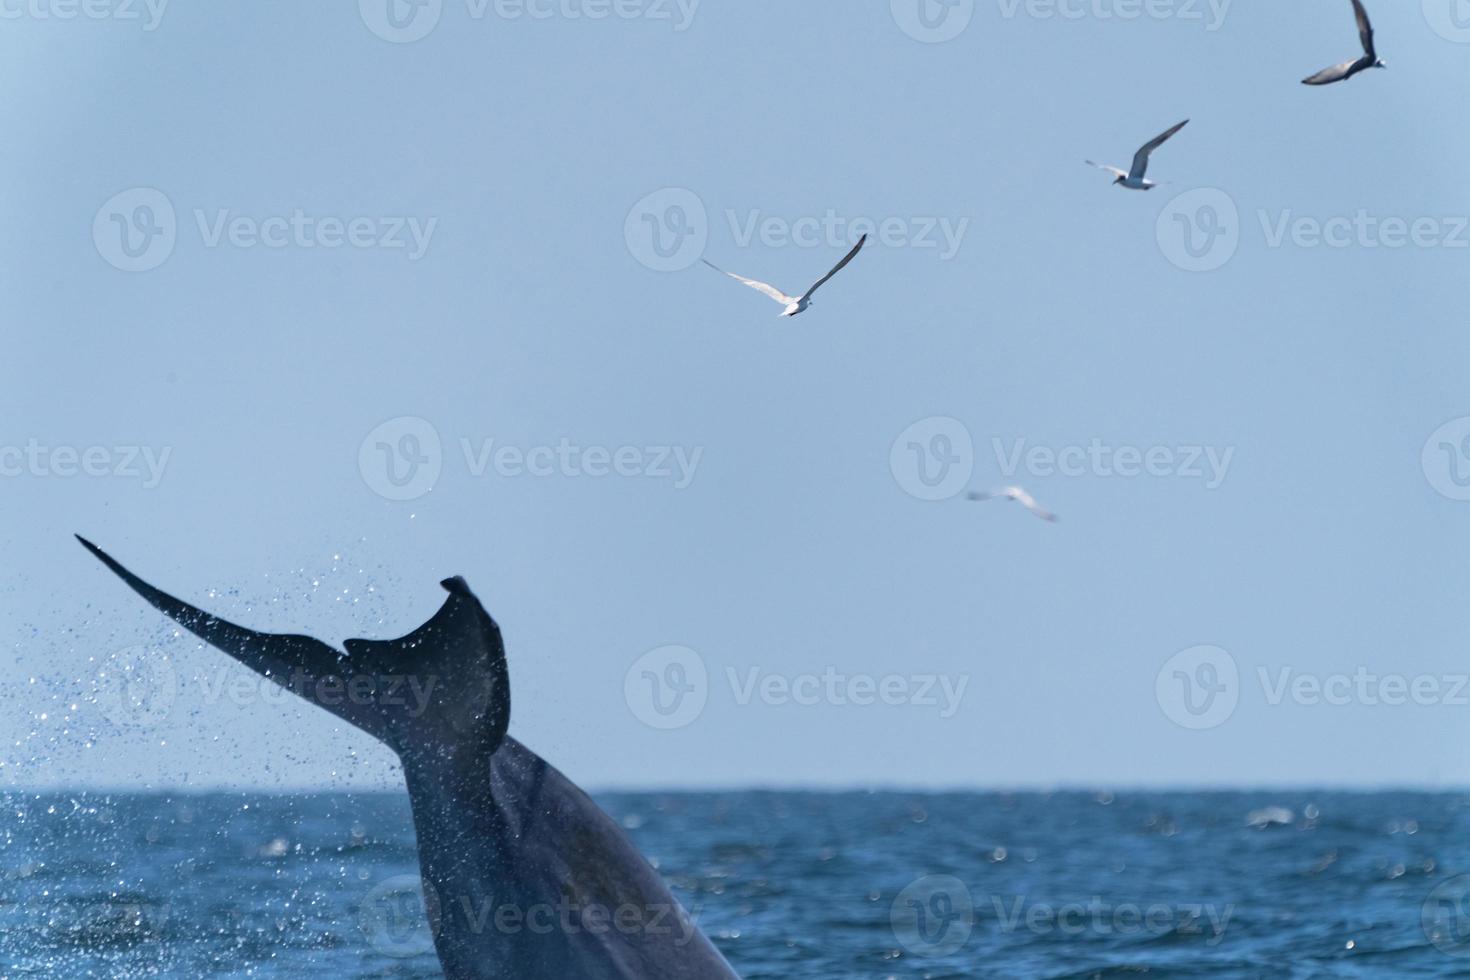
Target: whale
[523, 875]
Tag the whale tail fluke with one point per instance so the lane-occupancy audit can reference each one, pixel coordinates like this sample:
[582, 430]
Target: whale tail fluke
[442, 689]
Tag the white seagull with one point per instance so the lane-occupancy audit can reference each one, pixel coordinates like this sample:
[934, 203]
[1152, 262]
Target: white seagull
[793, 304]
[1019, 496]
[1133, 179]
[1346, 70]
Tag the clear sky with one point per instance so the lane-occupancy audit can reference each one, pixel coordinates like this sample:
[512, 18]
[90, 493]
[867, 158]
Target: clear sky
[249, 349]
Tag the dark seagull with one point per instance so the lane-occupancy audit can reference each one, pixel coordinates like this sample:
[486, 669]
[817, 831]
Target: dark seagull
[1346, 70]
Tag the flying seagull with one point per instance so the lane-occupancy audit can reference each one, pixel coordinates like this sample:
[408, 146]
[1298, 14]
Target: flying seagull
[1346, 70]
[793, 304]
[1019, 496]
[1133, 179]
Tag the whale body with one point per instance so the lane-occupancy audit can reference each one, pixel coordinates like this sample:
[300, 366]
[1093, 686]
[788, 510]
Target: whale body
[523, 875]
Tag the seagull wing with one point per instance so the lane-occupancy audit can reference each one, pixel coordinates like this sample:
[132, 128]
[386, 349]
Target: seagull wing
[1112, 170]
[837, 268]
[1019, 496]
[1329, 75]
[1365, 29]
[1140, 159]
[755, 284]
[1029, 502]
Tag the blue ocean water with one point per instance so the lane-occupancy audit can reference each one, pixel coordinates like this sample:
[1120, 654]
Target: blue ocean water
[1237, 884]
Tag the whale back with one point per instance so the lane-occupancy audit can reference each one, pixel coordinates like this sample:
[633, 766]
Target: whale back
[531, 879]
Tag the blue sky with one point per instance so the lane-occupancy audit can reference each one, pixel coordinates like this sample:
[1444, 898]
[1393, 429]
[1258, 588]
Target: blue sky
[531, 155]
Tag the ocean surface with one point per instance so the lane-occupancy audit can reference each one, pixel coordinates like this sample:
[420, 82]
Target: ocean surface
[788, 885]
